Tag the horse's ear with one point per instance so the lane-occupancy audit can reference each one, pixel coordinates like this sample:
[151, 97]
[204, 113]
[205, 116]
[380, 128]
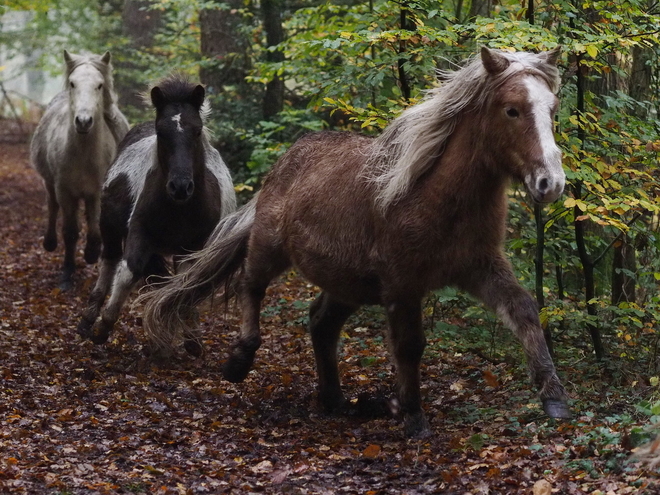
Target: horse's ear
[68, 58]
[551, 57]
[106, 58]
[494, 62]
[197, 96]
[157, 97]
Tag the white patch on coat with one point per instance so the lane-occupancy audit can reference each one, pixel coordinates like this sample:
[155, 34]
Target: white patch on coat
[177, 120]
[134, 162]
[217, 166]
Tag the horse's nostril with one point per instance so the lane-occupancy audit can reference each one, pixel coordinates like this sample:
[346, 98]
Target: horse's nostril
[543, 185]
[190, 188]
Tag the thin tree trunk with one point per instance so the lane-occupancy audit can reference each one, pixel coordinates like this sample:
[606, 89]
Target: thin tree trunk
[623, 285]
[403, 77]
[272, 21]
[585, 259]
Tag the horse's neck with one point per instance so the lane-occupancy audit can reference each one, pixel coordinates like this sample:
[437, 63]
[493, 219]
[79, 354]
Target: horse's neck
[467, 171]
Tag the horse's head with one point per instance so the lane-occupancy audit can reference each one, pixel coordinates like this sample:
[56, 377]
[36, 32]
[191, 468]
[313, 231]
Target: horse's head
[179, 129]
[85, 81]
[520, 119]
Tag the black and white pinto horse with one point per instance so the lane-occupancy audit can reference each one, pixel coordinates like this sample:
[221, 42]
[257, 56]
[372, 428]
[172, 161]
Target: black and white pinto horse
[72, 148]
[163, 196]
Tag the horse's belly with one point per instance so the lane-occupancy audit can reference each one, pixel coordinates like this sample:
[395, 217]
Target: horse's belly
[344, 275]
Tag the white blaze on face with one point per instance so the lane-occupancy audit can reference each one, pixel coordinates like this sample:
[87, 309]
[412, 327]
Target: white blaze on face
[177, 119]
[548, 183]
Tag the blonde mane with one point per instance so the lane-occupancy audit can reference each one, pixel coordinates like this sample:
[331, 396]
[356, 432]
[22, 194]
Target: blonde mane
[412, 142]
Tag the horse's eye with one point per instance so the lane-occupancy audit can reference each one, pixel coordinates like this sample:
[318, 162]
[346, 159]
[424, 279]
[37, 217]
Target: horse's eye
[100, 86]
[72, 85]
[512, 112]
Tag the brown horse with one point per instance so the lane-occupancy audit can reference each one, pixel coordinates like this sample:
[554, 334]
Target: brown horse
[385, 220]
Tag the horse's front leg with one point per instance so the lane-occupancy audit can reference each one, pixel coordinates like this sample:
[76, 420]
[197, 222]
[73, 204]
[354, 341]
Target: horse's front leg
[97, 296]
[128, 273]
[499, 289]
[326, 317]
[407, 346]
[93, 241]
[70, 231]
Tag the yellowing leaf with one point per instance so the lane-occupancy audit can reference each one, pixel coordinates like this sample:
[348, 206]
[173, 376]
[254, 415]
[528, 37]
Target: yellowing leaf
[569, 202]
[592, 51]
[371, 451]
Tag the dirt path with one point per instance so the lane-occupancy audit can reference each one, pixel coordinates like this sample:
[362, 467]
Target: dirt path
[75, 418]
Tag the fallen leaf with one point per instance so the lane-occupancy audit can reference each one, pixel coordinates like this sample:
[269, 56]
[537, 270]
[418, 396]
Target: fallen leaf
[542, 487]
[371, 451]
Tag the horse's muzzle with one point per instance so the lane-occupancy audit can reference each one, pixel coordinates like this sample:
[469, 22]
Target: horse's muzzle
[545, 187]
[83, 124]
[180, 190]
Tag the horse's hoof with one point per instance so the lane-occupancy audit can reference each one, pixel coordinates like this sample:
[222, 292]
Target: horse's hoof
[66, 284]
[236, 369]
[193, 347]
[85, 328]
[334, 404]
[50, 243]
[91, 254]
[416, 425]
[100, 332]
[556, 409]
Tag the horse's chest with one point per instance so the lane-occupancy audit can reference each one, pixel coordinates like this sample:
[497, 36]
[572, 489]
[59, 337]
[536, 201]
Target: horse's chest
[172, 230]
[85, 170]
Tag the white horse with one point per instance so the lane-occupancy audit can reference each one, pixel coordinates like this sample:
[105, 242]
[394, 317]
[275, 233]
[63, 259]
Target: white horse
[72, 149]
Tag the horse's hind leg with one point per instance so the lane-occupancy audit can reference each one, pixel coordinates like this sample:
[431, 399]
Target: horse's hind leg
[407, 343]
[50, 236]
[262, 265]
[499, 289]
[326, 317]
[93, 241]
[70, 231]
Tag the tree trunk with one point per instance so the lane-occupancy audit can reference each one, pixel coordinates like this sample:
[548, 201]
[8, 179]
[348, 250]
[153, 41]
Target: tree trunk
[271, 11]
[404, 83]
[585, 258]
[623, 285]
[480, 8]
[140, 24]
[640, 77]
[223, 47]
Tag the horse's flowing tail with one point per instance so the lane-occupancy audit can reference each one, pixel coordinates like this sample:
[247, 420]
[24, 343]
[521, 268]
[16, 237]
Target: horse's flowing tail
[169, 312]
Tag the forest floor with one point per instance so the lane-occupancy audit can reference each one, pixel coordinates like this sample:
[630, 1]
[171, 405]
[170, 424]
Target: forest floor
[78, 418]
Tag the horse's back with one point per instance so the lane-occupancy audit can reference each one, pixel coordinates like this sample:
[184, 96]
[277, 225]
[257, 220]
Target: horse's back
[317, 205]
